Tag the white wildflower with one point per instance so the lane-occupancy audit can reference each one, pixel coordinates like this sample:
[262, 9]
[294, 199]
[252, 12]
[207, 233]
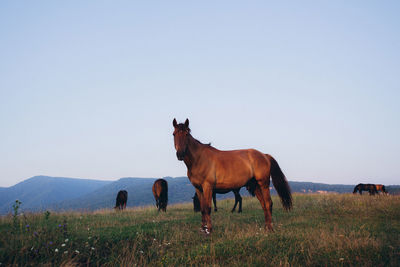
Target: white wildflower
[63, 245]
[92, 248]
[77, 251]
[56, 250]
[66, 240]
[141, 251]
[65, 252]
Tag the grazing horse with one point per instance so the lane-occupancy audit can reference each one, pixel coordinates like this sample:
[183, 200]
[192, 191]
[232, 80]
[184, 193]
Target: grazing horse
[238, 199]
[210, 169]
[160, 192]
[122, 198]
[371, 188]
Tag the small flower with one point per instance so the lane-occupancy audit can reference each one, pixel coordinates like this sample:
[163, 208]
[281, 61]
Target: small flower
[63, 245]
[27, 226]
[35, 233]
[50, 243]
[77, 251]
[59, 225]
[66, 240]
[56, 250]
[92, 248]
[66, 252]
[89, 237]
[141, 251]
[154, 239]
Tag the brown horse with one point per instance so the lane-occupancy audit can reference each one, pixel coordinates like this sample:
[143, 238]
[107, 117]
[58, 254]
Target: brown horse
[238, 199]
[122, 198]
[160, 192]
[211, 169]
[371, 188]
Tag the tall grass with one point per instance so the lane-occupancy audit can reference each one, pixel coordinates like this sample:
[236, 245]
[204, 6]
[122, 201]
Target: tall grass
[327, 230]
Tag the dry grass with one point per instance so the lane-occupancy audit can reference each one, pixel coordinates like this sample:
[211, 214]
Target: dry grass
[327, 230]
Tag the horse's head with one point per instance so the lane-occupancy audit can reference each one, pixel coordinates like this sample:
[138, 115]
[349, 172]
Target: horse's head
[181, 137]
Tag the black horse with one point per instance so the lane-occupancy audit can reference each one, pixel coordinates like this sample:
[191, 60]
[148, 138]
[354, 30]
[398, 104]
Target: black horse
[238, 199]
[121, 200]
[371, 188]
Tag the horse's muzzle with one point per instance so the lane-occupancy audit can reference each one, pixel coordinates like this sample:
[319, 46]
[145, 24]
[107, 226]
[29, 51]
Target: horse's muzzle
[180, 155]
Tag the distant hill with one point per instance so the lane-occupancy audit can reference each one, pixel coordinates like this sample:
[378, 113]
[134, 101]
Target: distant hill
[38, 192]
[139, 194]
[58, 193]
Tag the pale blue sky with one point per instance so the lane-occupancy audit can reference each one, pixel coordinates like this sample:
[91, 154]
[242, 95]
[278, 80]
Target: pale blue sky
[89, 89]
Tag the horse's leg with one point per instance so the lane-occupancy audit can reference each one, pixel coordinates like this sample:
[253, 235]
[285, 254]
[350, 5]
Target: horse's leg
[236, 200]
[268, 208]
[240, 202]
[207, 196]
[214, 197]
[264, 188]
[260, 197]
[200, 196]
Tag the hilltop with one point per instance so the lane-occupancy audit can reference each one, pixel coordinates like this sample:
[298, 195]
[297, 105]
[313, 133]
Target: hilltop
[59, 193]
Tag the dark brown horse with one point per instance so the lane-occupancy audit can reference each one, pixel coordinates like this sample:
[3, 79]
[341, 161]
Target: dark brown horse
[160, 192]
[122, 198]
[211, 169]
[238, 199]
[371, 188]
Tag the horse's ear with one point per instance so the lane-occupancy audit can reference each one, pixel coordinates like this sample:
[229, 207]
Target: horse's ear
[174, 123]
[187, 123]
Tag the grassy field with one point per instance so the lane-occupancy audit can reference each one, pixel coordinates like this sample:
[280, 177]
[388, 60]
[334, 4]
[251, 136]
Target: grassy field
[321, 230]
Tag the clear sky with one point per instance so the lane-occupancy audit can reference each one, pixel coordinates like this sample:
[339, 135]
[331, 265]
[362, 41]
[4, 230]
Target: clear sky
[89, 89]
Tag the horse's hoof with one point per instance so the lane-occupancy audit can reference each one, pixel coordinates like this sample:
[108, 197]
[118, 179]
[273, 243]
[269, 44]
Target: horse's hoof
[204, 230]
[269, 228]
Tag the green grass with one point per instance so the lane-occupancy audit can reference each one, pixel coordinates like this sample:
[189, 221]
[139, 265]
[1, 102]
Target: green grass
[321, 230]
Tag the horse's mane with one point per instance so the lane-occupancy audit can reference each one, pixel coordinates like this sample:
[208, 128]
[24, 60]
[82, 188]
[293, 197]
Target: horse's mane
[197, 141]
[182, 127]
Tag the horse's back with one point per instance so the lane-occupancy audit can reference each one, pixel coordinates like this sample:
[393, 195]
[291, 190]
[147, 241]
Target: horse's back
[235, 167]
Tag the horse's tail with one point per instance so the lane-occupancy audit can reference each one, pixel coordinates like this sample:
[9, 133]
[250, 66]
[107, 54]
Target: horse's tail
[164, 193]
[280, 183]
